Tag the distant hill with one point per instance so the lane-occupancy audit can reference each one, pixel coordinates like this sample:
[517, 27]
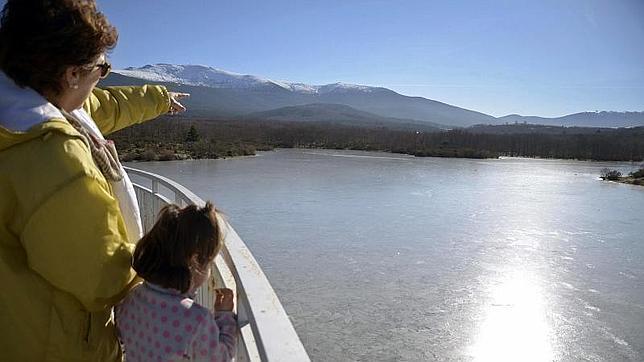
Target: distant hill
[528, 128]
[221, 94]
[583, 119]
[340, 114]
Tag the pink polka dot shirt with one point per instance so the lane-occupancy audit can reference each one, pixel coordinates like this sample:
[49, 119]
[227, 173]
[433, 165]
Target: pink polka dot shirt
[157, 324]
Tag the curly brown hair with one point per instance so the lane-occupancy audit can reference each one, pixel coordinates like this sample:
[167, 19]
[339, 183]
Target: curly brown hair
[40, 39]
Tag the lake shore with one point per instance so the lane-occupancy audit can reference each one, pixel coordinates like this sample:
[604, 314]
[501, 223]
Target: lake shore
[175, 152]
[631, 180]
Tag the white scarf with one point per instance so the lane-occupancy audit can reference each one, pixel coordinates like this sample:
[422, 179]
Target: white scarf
[123, 189]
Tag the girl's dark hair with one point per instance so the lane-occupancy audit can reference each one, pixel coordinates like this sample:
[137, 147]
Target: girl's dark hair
[39, 39]
[164, 255]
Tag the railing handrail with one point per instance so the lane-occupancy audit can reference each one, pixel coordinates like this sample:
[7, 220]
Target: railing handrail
[182, 193]
[258, 307]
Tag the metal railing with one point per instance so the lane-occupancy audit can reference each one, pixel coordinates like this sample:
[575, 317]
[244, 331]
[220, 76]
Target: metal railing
[266, 333]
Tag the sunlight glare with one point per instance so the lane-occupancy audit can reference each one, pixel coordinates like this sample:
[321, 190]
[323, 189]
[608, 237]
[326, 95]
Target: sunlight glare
[515, 326]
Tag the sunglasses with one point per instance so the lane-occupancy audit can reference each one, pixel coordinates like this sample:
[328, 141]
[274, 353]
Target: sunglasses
[105, 69]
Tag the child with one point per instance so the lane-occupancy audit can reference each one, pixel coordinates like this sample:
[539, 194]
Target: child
[159, 320]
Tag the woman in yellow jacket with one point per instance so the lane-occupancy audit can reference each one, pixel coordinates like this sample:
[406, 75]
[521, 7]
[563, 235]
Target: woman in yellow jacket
[65, 247]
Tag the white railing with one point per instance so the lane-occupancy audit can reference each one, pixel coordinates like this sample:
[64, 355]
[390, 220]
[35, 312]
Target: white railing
[266, 333]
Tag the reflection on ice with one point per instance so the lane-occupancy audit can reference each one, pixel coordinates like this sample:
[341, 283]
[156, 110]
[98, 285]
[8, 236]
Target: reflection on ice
[514, 327]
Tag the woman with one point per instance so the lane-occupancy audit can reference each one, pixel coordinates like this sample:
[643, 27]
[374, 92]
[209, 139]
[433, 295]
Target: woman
[65, 246]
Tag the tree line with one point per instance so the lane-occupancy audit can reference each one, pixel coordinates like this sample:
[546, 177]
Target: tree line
[177, 138]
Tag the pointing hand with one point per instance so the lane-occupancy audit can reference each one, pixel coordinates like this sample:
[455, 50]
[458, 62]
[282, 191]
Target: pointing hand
[175, 106]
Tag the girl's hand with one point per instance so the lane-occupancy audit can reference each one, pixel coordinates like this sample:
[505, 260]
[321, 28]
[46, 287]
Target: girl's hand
[224, 300]
[175, 106]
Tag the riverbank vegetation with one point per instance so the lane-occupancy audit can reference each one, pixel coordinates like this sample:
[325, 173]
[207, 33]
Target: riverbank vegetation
[172, 138]
[634, 178]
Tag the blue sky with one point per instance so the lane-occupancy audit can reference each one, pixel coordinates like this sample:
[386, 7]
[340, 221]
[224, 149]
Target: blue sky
[545, 57]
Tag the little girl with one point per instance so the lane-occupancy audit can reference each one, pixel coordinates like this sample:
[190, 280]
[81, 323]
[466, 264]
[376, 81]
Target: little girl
[159, 320]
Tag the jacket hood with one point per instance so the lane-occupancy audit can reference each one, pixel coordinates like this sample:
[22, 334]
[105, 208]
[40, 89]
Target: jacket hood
[25, 114]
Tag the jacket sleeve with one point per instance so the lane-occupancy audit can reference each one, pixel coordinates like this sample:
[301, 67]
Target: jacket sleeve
[76, 240]
[216, 338]
[114, 108]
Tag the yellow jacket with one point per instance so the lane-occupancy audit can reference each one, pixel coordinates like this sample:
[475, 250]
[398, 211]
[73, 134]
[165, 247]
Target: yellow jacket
[64, 255]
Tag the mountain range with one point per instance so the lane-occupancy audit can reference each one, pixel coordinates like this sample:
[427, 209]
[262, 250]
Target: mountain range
[220, 94]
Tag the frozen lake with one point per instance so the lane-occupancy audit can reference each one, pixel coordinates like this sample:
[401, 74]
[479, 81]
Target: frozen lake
[378, 256]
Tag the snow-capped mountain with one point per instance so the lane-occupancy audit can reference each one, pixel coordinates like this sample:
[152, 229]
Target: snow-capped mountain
[199, 75]
[222, 94]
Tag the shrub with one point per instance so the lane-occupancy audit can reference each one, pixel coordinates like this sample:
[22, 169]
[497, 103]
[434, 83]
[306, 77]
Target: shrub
[148, 155]
[638, 174]
[166, 155]
[608, 174]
